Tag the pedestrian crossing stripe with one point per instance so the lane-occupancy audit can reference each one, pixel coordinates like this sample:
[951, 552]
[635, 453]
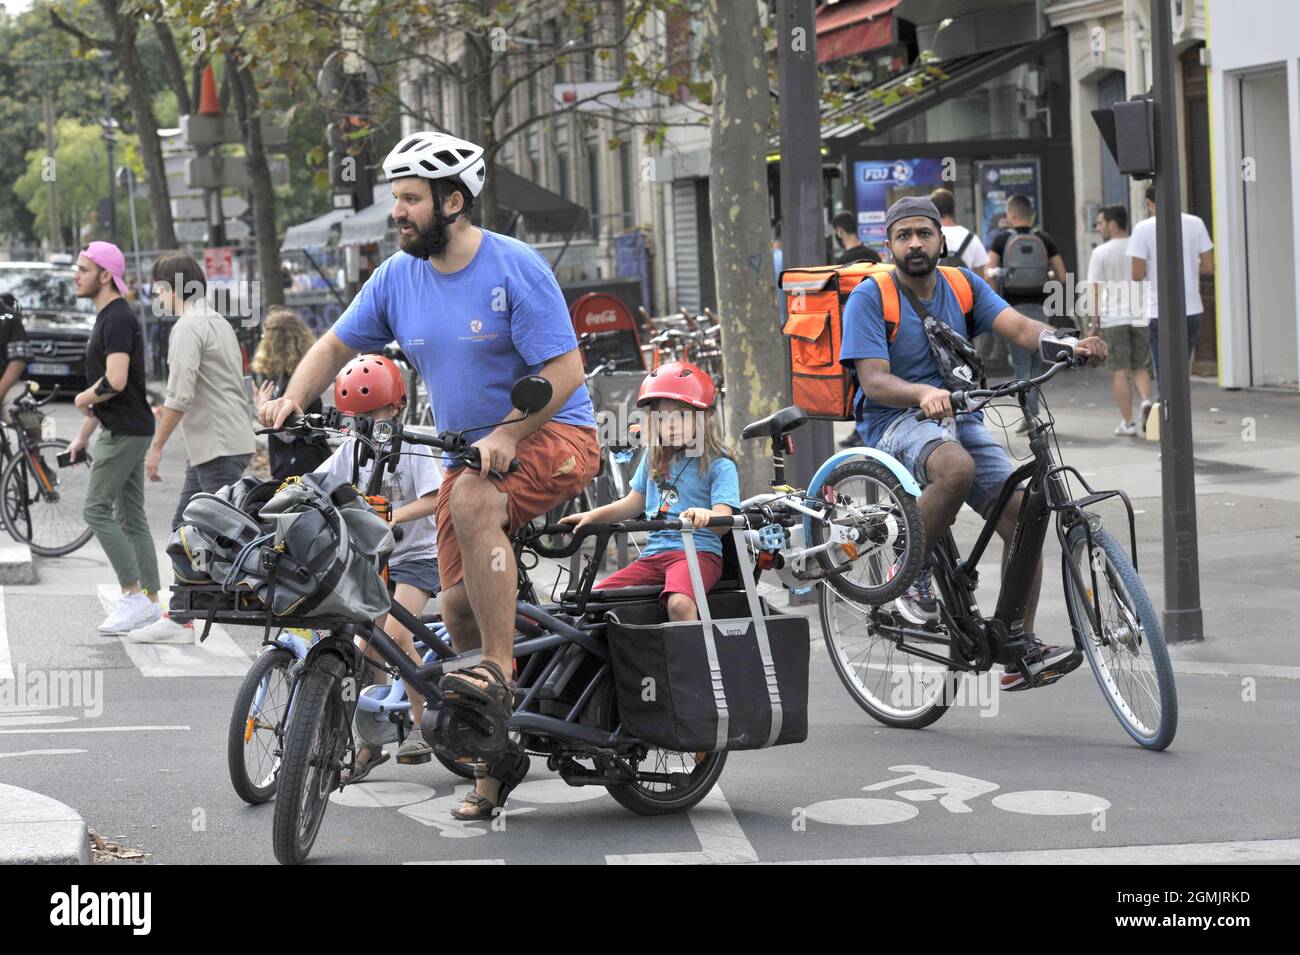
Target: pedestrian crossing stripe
[217, 656]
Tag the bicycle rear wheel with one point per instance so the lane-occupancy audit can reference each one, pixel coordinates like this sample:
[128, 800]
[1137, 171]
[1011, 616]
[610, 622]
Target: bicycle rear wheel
[315, 746]
[893, 686]
[1126, 647]
[41, 504]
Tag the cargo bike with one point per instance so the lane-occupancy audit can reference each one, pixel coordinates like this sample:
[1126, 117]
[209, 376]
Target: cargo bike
[609, 693]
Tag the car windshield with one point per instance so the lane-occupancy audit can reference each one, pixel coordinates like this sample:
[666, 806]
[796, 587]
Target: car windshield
[44, 290]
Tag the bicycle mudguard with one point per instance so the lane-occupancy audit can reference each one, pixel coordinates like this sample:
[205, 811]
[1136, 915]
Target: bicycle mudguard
[905, 478]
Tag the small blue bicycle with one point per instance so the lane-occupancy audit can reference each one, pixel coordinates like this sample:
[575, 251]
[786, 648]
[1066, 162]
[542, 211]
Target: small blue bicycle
[255, 741]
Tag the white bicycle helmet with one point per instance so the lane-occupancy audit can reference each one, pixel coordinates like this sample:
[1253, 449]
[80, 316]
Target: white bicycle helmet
[432, 155]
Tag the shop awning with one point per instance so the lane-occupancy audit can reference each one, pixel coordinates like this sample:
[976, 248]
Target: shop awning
[541, 209]
[314, 233]
[854, 26]
[874, 110]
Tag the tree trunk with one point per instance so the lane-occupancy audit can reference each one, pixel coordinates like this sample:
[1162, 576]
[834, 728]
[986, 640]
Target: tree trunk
[175, 69]
[738, 204]
[137, 84]
[476, 61]
[247, 107]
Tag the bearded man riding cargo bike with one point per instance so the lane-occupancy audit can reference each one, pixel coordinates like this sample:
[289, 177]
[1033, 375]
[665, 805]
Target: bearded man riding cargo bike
[474, 311]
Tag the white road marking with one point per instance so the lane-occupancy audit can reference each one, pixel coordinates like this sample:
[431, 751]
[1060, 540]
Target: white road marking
[556, 790]
[41, 752]
[722, 841]
[1189, 853]
[23, 719]
[861, 812]
[381, 795]
[95, 729]
[1051, 802]
[460, 862]
[6, 661]
[217, 656]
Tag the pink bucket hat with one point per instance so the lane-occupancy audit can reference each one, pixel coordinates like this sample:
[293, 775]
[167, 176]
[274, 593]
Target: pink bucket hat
[108, 257]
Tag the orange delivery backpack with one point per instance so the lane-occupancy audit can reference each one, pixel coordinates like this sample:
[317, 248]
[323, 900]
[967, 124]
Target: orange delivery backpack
[815, 300]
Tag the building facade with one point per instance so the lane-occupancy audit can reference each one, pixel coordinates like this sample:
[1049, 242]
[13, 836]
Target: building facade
[1254, 78]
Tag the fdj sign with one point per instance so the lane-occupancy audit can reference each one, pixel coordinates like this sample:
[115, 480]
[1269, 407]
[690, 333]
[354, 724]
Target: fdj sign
[899, 173]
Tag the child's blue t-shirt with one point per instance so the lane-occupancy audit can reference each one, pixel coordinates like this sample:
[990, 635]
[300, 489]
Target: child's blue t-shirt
[909, 354]
[470, 334]
[685, 487]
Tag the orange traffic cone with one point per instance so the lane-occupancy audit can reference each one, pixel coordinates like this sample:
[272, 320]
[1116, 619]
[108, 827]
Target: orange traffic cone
[209, 102]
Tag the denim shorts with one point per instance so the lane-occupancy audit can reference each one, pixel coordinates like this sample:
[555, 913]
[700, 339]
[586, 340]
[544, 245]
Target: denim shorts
[912, 441]
[418, 573]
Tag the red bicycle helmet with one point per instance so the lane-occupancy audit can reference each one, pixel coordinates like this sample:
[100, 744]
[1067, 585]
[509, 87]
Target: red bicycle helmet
[368, 383]
[678, 381]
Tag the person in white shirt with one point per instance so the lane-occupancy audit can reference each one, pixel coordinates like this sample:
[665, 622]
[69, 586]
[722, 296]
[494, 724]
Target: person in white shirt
[962, 242]
[1198, 260]
[1113, 301]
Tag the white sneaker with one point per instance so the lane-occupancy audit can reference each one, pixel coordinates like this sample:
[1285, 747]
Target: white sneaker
[132, 611]
[165, 630]
[1144, 413]
[1127, 429]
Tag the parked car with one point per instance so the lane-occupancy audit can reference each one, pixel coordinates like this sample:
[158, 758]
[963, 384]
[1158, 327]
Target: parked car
[57, 322]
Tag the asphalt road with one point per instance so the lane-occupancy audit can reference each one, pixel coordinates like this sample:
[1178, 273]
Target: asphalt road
[1045, 775]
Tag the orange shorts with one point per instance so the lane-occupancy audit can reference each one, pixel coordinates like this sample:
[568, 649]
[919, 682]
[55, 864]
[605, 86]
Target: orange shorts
[555, 463]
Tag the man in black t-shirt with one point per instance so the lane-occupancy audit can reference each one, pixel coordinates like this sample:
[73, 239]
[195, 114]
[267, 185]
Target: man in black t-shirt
[115, 403]
[845, 227]
[1019, 209]
[15, 352]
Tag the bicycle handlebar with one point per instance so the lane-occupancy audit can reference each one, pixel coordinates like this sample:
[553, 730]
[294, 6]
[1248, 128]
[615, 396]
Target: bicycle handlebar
[449, 442]
[962, 400]
[533, 540]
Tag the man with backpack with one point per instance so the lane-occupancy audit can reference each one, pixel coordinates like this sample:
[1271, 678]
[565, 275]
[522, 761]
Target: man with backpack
[899, 365]
[1025, 259]
[964, 246]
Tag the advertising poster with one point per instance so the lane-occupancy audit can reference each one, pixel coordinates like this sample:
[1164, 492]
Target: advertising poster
[878, 183]
[999, 179]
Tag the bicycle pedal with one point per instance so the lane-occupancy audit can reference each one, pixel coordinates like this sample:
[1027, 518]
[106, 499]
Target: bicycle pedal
[415, 760]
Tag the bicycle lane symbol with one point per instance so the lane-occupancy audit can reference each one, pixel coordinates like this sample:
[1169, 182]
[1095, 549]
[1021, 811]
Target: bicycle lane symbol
[953, 791]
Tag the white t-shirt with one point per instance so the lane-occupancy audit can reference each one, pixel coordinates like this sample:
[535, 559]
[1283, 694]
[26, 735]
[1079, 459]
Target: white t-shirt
[975, 256]
[418, 473]
[1118, 299]
[1142, 245]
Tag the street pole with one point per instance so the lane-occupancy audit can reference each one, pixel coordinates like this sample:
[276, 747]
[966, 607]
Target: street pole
[109, 140]
[1183, 621]
[56, 232]
[129, 178]
[802, 226]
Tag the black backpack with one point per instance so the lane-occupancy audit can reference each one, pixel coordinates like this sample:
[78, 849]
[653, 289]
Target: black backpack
[953, 259]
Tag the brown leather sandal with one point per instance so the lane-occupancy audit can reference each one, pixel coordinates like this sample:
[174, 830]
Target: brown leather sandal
[483, 685]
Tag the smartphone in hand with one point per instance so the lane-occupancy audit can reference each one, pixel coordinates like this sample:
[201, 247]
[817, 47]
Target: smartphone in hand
[64, 458]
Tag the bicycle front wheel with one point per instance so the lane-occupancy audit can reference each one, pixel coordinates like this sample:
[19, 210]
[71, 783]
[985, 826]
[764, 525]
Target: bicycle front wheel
[255, 742]
[1126, 646]
[315, 746]
[41, 504]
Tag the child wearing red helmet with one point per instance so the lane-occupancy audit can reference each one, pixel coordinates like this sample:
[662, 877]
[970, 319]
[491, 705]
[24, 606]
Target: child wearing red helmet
[686, 473]
[372, 385]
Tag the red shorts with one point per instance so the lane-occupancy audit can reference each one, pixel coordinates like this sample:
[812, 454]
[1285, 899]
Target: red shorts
[555, 463]
[670, 569]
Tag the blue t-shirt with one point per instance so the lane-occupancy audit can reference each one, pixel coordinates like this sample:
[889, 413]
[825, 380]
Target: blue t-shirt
[909, 356]
[685, 487]
[470, 334]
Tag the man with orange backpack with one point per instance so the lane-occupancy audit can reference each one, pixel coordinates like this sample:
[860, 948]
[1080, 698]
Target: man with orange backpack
[900, 367]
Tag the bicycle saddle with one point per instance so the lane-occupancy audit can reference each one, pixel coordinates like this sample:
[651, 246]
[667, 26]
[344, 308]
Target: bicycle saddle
[787, 419]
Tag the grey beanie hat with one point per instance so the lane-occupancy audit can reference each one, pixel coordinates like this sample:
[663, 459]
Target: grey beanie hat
[909, 206]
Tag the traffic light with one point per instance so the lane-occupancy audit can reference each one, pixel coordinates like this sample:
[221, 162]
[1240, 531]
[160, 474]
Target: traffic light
[1128, 129]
